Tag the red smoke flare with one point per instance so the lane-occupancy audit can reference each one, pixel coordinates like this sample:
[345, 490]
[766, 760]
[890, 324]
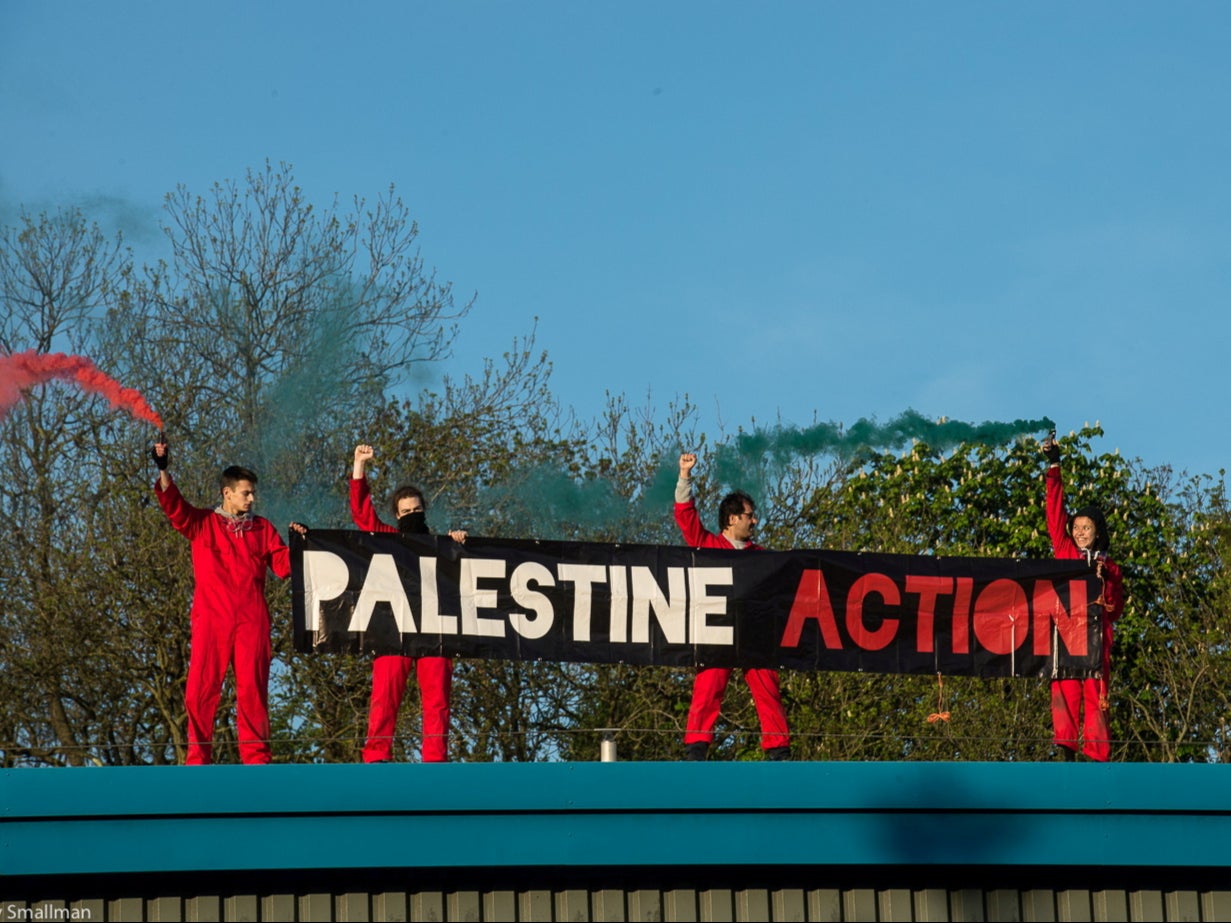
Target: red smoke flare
[24, 370]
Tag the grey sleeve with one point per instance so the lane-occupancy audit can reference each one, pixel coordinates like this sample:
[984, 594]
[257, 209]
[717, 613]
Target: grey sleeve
[683, 490]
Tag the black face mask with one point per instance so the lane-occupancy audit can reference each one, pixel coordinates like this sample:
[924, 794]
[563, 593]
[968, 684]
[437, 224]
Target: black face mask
[413, 523]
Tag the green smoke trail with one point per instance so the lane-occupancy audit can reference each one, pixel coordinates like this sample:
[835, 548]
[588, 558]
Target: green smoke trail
[550, 503]
[745, 463]
[543, 502]
[297, 420]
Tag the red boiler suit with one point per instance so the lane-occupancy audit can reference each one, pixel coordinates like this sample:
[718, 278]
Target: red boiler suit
[1075, 699]
[711, 682]
[391, 671]
[230, 621]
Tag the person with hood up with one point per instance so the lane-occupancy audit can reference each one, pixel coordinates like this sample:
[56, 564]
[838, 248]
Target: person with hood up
[1083, 703]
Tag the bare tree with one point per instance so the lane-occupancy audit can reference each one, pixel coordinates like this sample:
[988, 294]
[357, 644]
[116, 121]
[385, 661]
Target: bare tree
[62, 451]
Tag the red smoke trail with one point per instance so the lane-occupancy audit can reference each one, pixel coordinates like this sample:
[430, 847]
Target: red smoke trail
[24, 370]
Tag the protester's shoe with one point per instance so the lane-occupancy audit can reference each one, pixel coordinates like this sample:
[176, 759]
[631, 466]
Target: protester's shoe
[778, 754]
[697, 752]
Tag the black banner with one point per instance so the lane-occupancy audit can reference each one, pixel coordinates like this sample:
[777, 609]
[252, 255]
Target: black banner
[649, 604]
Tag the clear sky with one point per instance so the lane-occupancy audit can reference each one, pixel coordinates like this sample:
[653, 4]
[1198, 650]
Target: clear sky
[984, 211]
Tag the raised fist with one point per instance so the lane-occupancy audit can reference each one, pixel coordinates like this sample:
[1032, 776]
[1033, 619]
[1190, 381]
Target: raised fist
[161, 453]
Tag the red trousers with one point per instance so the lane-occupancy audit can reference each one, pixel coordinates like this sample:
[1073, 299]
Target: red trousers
[241, 641]
[389, 676]
[707, 691]
[1073, 700]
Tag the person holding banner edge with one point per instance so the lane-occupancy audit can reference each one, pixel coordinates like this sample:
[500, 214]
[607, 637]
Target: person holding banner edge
[231, 550]
[390, 672]
[737, 521]
[1082, 536]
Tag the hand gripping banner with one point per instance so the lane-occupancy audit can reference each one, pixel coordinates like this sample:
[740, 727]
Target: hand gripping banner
[588, 602]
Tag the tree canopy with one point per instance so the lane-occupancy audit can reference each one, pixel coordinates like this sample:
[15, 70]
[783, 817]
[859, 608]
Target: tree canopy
[278, 334]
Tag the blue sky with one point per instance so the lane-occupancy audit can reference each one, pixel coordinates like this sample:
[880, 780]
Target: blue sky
[975, 210]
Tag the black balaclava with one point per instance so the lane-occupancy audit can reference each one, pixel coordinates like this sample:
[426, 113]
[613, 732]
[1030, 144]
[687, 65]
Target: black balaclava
[413, 523]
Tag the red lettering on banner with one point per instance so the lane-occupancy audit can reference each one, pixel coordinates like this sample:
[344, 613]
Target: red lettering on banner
[866, 638]
[928, 588]
[1002, 617]
[961, 615]
[812, 602]
[1070, 626]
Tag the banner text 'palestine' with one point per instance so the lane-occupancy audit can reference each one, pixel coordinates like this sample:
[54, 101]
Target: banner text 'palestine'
[669, 606]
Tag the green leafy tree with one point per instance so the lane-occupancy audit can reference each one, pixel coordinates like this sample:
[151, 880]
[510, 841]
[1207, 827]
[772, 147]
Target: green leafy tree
[988, 501]
[279, 334]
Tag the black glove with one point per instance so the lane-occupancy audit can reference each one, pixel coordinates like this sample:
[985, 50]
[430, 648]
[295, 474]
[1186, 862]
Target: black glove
[1051, 450]
[161, 460]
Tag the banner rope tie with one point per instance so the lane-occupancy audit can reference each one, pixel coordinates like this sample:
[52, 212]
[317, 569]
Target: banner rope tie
[940, 714]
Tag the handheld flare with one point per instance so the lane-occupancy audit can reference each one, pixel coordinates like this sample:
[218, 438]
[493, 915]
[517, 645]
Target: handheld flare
[163, 458]
[1051, 451]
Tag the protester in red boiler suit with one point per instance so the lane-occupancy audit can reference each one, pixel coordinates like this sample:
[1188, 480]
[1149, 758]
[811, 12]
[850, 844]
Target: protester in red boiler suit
[737, 521]
[391, 671]
[231, 550]
[1082, 536]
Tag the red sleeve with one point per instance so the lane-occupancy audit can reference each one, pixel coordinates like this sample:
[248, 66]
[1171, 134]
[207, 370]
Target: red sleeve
[695, 534]
[1057, 517]
[361, 509]
[1113, 590]
[185, 518]
[278, 553]
[1063, 545]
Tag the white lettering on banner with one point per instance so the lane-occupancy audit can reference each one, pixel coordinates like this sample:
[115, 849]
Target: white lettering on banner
[433, 622]
[702, 605]
[540, 623]
[682, 611]
[619, 604]
[473, 598]
[383, 583]
[647, 595]
[595, 603]
[585, 576]
[324, 577]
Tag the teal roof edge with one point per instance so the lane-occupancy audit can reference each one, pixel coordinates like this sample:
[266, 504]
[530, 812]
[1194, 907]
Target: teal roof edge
[489, 815]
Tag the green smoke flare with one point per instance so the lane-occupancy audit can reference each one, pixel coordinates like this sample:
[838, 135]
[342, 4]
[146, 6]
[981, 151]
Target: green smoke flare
[743, 463]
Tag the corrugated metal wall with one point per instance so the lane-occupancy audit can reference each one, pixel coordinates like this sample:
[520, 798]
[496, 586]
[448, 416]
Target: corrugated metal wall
[752, 904]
